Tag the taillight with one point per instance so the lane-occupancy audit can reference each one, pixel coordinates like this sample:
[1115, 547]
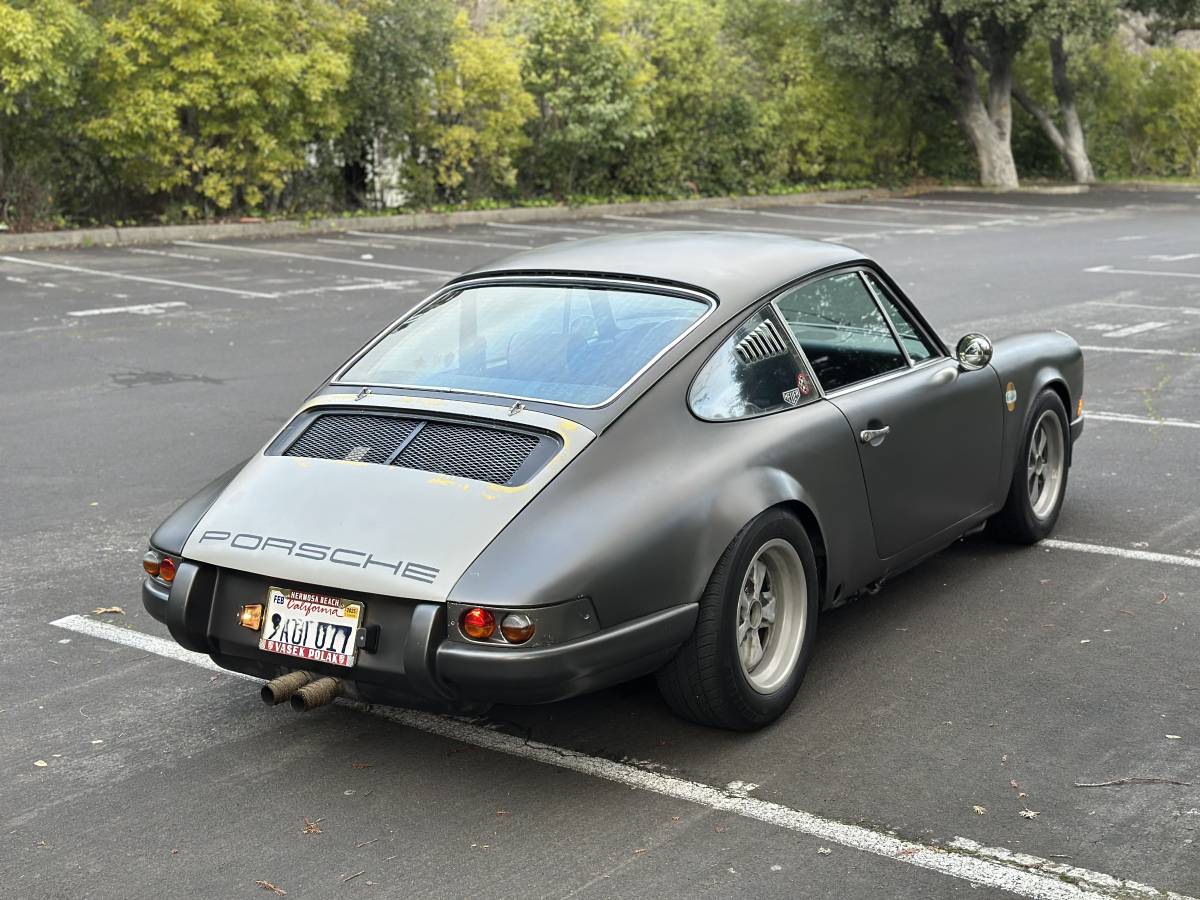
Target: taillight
[151, 563]
[478, 624]
[516, 628]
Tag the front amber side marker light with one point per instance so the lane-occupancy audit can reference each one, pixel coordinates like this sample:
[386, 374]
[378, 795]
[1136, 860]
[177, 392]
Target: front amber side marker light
[251, 616]
[1079, 411]
[516, 628]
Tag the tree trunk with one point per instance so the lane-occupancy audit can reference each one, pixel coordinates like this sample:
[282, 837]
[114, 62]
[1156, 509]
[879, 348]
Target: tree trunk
[1075, 147]
[1068, 141]
[988, 126]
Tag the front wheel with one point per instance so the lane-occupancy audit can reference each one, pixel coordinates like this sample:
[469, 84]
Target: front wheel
[754, 635]
[1039, 481]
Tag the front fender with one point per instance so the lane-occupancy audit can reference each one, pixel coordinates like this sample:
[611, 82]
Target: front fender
[1032, 363]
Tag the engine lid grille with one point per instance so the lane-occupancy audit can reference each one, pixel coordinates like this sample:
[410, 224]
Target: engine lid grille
[460, 449]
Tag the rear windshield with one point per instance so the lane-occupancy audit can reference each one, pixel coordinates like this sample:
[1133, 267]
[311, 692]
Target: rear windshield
[559, 343]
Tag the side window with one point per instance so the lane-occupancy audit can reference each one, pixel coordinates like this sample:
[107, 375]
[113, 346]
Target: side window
[918, 348]
[842, 331]
[755, 372]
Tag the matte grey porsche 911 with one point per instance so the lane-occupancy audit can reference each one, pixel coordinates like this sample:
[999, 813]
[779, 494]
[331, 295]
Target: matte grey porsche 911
[584, 463]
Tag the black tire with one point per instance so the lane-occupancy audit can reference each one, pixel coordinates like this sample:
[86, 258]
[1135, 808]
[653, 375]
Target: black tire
[1017, 521]
[705, 681]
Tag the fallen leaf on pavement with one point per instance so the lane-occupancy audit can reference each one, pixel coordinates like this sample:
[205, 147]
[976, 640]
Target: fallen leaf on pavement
[980, 810]
[312, 826]
[274, 889]
[824, 851]
[103, 610]
[361, 765]
[1029, 814]
[40, 763]
[1174, 737]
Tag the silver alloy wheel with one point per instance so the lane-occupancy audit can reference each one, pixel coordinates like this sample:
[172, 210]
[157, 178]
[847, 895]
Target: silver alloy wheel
[1046, 464]
[772, 615]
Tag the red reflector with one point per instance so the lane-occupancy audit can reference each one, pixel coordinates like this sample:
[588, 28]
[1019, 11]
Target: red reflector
[478, 624]
[166, 569]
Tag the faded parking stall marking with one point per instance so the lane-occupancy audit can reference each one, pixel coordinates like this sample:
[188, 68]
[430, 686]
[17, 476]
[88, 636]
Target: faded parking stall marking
[1016, 873]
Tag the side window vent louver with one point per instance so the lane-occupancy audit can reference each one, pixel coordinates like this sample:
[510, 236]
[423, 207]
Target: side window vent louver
[762, 343]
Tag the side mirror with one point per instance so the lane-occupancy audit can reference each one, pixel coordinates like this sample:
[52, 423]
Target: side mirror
[974, 351]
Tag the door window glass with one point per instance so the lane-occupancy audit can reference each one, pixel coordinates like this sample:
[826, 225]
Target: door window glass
[918, 348]
[842, 331]
[755, 372]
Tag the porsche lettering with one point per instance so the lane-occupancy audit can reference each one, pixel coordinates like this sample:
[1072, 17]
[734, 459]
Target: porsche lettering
[343, 556]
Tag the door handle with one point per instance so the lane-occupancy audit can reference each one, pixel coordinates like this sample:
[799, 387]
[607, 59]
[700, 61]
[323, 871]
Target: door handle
[874, 436]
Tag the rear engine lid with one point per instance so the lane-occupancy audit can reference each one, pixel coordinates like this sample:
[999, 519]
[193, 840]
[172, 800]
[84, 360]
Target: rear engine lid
[394, 498]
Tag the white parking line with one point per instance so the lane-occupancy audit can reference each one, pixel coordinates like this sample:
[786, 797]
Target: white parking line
[368, 286]
[905, 206]
[1019, 874]
[574, 229]
[1148, 351]
[1185, 310]
[802, 218]
[1178, 257]
[142, 278]
[1000, 205]
[139, 309]
[1139, 420]
[706, 226]
[1192, 562]
[292, 254]
[191, 257]
[1139, 328]
[443, 240]
[1109, 270]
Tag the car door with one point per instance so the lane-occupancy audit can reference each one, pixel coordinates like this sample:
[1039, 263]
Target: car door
[929, 434]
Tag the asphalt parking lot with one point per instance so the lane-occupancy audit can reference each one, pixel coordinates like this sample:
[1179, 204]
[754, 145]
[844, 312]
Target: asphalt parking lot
[986, 685]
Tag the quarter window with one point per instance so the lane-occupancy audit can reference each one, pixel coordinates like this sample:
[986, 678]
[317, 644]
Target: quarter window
[919, 349]
[841, 329]
[755, 372]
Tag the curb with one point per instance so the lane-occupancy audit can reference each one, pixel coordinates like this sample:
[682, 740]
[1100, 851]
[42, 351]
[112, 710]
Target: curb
[163, 234]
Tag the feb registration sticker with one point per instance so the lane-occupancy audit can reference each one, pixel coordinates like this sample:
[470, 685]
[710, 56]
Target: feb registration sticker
[311, 627]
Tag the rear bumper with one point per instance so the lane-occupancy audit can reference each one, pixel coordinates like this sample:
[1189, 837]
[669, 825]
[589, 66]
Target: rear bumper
[415, 662]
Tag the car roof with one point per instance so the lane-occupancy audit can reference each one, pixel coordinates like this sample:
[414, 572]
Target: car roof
[737, 267]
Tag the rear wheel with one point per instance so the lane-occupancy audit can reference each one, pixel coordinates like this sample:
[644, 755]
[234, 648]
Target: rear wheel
[1039, 481]
[754, 635]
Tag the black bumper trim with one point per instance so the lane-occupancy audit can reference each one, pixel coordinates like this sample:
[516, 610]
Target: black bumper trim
[154, 598]
[608, 657]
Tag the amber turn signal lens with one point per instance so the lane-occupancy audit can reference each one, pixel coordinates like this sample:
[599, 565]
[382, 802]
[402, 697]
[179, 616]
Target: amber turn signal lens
[516, 628]
[478, 624]
[251, 616]
[166, 569]
[1079, 411]
[150, 562]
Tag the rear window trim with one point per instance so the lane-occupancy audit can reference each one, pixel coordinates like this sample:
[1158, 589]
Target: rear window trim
[709, 300]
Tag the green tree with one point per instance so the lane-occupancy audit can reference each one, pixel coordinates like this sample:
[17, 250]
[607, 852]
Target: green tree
[587, 73]
[214, 101]
[481, 111]
[1066, 26]
[46, 47]
[396, 59]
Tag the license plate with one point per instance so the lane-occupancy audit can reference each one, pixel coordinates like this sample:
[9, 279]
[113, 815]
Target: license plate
[312, 627]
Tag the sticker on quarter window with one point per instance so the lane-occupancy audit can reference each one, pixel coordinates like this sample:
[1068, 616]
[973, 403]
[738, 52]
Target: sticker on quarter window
[1010, 396]
[791, 397]
[804, 384]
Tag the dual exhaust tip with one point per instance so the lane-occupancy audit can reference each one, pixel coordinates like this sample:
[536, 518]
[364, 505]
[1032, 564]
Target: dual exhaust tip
[304, 689]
